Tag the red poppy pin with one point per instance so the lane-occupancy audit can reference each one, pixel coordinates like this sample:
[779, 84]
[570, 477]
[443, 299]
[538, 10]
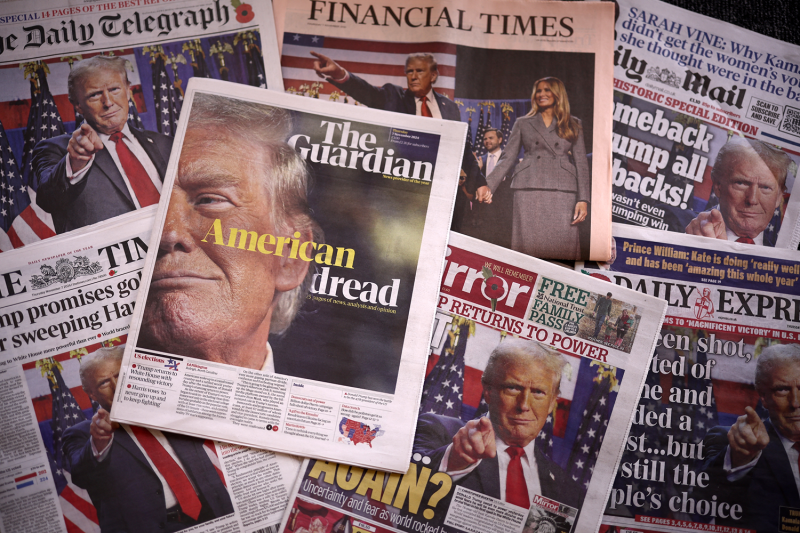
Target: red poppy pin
[244, 12]
[494, 287]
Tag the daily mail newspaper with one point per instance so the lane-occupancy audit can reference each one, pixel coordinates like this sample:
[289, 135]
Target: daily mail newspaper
[65, 311]
[530, 388]
[545, 158]
[710, 448]
[706, 127]
[294, 287]
[161, 43]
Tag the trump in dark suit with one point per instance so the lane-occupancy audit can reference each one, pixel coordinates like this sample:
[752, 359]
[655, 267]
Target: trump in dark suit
[105, 168]
[551, 184]
[418, 98]
[496, 455]
[753, 465]
[131, 487]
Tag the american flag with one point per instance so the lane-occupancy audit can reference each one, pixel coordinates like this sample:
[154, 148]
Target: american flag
[505, 128]
[255, 60]
[376, 62]
[79, 513]
[21, 221]
[167, 101]
[479, 148]
[545, 439]
[44, 120]
[470, 144]
[594, 423]
[133, 116]
[443, 390]
[197, 57]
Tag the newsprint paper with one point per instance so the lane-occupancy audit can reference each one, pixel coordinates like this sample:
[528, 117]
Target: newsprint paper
[490, 55]
[710, 448]
[161, 43]
[706, 127]
[294, 288]
[562, 358]
[65, 311]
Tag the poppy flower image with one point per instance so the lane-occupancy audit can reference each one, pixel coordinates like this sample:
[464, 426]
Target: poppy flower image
[244, 13]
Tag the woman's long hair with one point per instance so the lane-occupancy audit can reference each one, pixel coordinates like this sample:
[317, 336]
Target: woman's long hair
[566, 126]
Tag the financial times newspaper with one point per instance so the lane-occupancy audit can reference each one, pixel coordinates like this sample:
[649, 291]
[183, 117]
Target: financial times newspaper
[505, 323]
[732, 316]
[489, 56]
[64, 315]
[294, 287]
[163, 43]
[696, 101]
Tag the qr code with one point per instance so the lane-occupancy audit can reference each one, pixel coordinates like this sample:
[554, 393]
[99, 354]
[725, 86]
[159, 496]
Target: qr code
[791, 121]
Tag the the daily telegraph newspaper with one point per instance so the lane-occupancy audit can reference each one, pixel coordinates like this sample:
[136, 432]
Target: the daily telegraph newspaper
[527, 360]
[545, 158]
[710, 448]
[294, 288]
[161, 43]
[706, 127]
[65, 311]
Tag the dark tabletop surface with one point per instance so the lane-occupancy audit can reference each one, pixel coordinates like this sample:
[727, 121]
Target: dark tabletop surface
[776, 18]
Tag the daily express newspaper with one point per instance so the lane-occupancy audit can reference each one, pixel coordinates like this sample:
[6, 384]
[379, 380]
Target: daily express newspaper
[295, 281]
[490, 57]
[162, 43]
[706, 127]
[65, 311]
[525, 355]
[710, 448]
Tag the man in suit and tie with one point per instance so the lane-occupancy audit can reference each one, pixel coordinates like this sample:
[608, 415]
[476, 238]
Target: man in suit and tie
[492, 141]
[418, 98]
[749, 178]
[496, 455]
[753, 465]
[105, 168]
[139, 480]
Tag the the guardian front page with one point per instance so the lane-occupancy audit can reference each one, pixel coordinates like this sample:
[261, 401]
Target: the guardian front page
[294, 286]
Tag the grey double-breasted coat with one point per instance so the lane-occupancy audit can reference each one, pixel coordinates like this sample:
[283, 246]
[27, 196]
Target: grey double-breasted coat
[547, 185]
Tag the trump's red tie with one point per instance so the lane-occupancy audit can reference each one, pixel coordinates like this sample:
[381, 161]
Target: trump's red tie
[169, 469]
[746, 240]
[142, 185]
[516, 488]
[424, 110]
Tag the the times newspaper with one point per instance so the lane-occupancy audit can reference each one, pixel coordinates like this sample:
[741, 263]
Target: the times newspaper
[489, 56]
[163, 43]
[710, 448]
[295, 282]
[64, 319]
[524, 355]
[699, 104]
